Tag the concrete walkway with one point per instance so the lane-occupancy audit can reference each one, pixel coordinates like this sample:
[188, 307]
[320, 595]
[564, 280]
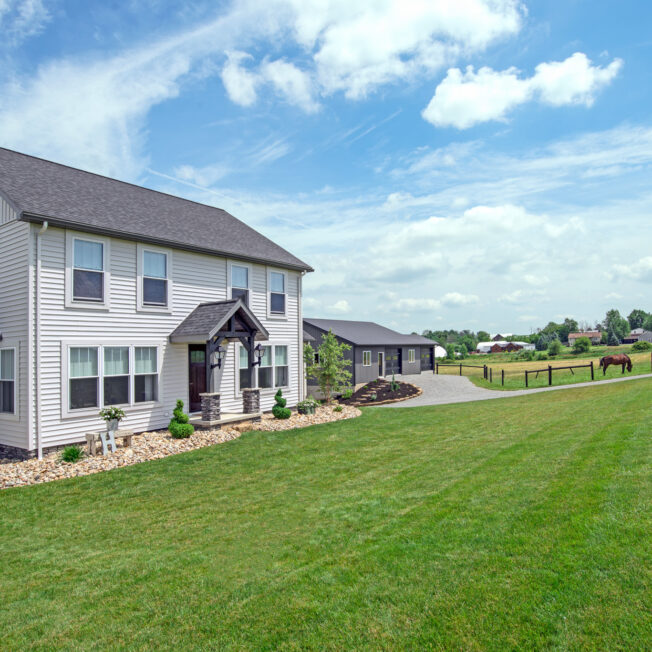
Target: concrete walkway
[443, 389]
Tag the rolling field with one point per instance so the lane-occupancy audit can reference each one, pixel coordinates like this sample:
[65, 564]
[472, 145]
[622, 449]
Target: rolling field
[505, 524]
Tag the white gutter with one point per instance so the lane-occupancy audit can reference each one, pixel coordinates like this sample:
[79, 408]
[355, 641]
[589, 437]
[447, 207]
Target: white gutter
[303, 390]
[37, 338]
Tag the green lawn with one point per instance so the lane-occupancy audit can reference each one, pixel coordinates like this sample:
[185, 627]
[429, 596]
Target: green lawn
[522, 523]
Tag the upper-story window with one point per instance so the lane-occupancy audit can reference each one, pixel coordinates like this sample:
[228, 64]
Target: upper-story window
[88, 270]
[155, 278]
[277, 295]
[7, 381]
[240, 283]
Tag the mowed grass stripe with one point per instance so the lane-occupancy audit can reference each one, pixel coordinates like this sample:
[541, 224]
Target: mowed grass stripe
[494, 525]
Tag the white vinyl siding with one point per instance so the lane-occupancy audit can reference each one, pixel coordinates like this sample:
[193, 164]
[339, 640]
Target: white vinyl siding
[15, 257]
[7, 212]
[194, 278]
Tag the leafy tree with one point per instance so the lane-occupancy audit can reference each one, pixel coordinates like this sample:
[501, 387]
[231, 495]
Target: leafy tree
[542, 343]
[450, 352]
[619, 326]
[647, 324]
[331, 372]
[554, 348]
[308, 360]
[612, 338]
[604, 338]
[483, 336]
[582, 345]
[637, 318]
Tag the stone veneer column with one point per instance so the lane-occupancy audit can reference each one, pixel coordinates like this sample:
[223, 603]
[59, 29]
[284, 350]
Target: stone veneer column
[210, 406]
[250, 400]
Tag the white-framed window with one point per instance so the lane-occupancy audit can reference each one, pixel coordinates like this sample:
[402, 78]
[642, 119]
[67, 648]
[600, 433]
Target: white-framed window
[87, 271]
[411, 354]
[239, 281]
[102, 375]
[154, 279]
[277, 296]
[273, 372]
[366, 358]
[8, 365]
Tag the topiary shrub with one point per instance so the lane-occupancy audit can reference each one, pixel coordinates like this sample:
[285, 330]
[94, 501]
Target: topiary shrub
[72, 454]
[279, 410]
[641, 345]
[179, 426]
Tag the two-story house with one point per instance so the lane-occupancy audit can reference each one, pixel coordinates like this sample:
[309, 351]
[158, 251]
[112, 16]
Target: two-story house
[114, 294]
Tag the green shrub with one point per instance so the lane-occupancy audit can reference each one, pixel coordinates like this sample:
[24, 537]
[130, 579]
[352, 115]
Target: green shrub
[180, 430]
[641, 345]
[338, 408]
[279, 410]
[542, 356]
[179, 426]
[348, 393]
[581, 345]
[394, 386]
[374, 396]
[72, 454]
[554, 348]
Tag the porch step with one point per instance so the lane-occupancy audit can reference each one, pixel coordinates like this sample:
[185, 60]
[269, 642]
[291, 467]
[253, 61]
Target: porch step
[227, 418]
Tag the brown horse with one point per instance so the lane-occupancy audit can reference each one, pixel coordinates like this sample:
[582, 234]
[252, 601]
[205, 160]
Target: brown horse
[621, 359]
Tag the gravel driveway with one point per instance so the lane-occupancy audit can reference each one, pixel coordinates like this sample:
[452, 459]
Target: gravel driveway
[441, 389]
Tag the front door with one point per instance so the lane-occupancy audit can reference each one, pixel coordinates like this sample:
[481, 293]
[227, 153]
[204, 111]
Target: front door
[196, 375]
[381, 363]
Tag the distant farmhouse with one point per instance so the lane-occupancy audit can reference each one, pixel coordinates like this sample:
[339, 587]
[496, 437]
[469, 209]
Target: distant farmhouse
[376, 351]
[638, 335]
[594, 336]
[502, 346]
[499, 337]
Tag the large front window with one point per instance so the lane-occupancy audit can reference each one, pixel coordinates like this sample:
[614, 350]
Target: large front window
[88, 270]
[7, 381]
[155, 275]
[240, 283]
[273, 371]
[111, 375]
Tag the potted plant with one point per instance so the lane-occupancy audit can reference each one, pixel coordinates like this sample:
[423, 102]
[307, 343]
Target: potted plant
[307, 406]
[112, 416]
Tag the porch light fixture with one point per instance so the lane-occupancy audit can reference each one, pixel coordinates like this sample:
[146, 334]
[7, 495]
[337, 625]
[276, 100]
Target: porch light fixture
[217, 356]
[258, 354]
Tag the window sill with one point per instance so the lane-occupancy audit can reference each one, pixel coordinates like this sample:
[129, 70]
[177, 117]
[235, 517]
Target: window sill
[162, 310]
[87, 305]
[9, 416]
[277, 317]
[94, 412]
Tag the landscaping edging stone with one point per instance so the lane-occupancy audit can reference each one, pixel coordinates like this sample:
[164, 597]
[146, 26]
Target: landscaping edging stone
[395, 400]
[148, 446]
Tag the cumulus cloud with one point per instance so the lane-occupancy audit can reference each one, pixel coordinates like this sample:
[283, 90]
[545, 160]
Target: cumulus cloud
[464, 99]
[458, 299]
[292, 84]
[20, 19]
[641, 270]
[342, 306]
[240, 83]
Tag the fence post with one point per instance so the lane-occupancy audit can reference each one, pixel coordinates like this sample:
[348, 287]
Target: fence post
[460, 368]
[549, 374]
[592, 375]
[436, 367]
[502, 377]
[526, 378]
[491, 375]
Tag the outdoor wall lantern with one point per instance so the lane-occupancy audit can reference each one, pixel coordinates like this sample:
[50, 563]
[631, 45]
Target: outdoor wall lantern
[258, 355]
[217, 356]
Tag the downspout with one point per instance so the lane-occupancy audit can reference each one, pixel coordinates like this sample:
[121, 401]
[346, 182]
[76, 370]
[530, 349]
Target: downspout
[303, 389]
[37, 338]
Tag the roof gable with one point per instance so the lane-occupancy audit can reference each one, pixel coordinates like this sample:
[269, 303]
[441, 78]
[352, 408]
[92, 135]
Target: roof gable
[68, 197]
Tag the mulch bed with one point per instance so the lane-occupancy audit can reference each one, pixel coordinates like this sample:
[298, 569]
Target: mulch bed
[383, 393]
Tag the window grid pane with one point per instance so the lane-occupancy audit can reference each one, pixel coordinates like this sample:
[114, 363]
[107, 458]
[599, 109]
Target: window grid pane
[83, 393]
[145, 360]
[266, 360]
[7, 396]
[7, 364]
[281, 356]
[277, 303]
[116, 360]
[239, 276]
[88, 255]
[282, 377]
[155, 264]
[277, 282]
[83, 362]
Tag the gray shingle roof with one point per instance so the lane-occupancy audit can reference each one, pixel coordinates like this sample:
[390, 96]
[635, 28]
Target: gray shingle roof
[74, 198]
[307, 337]
[208, 318]
[367, 332]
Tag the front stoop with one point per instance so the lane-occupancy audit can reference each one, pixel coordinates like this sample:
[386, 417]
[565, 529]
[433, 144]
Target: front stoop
[225, 419]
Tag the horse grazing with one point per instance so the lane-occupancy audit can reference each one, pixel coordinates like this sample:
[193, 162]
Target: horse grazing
[621, 359]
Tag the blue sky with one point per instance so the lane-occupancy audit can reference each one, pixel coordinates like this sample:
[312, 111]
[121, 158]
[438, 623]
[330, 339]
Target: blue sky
[467, 164]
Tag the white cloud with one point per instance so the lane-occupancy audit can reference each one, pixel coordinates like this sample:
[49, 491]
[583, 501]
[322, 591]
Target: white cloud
[528, 318]
[205, 176]
[641, 270]
[291, 83]
[415, 305]
[457, 299]
[240, 83]
[342, 306]
[464, 99]
[20, 19]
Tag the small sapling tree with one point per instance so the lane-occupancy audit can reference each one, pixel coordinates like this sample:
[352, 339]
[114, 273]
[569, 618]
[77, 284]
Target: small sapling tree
[582, 345]
[332, 372]
[554, 348]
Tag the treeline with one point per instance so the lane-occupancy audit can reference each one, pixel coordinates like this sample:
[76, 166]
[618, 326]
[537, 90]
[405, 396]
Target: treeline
[614, 328]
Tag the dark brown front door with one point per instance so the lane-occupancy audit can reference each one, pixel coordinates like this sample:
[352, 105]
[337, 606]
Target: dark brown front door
[196, 375]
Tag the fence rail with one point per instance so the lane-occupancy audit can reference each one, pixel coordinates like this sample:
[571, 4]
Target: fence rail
[459, 366]
[549, 369]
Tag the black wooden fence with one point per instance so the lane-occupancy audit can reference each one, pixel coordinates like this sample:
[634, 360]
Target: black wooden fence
[549, 369]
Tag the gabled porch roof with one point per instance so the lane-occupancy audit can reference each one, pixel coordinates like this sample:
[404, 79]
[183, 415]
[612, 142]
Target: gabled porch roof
[231, 320]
